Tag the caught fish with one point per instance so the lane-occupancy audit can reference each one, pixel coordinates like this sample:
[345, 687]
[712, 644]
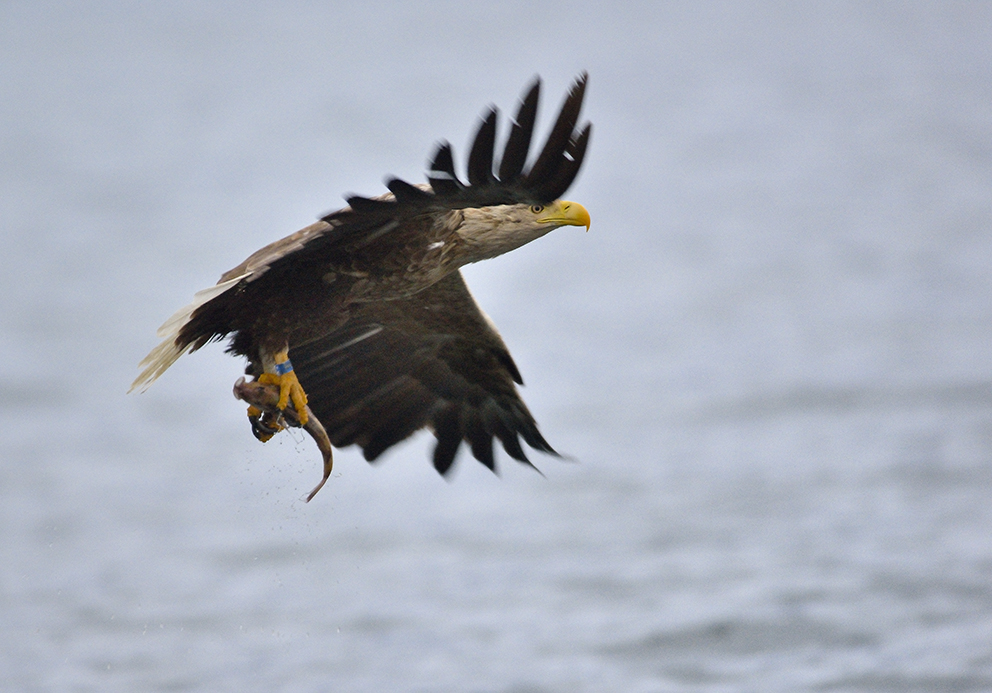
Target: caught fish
[265, 398]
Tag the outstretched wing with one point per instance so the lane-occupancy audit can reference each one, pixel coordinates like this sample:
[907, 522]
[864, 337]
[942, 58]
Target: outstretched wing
[504, 183]
[366, 220]
[433, 359]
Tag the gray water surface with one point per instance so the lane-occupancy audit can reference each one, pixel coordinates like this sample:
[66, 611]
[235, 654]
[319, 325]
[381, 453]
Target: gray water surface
[769, 362]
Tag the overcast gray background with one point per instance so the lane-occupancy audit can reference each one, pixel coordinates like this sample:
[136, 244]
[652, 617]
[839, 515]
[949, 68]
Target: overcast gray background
[770, 358]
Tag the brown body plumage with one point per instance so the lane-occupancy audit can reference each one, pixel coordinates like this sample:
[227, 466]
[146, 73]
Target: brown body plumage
[383, 333]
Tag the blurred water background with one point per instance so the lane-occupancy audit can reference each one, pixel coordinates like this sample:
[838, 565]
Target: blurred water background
[771, 357]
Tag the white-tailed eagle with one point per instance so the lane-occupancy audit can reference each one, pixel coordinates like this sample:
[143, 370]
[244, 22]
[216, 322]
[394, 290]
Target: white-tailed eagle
[384, 335]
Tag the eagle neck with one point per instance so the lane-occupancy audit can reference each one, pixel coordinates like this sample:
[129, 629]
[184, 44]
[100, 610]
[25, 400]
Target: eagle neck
[489, 232]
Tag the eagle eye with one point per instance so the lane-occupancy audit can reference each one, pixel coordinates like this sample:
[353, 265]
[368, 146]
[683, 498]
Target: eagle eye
[536, 209]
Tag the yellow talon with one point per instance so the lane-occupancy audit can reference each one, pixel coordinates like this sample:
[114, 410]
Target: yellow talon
[289, 390]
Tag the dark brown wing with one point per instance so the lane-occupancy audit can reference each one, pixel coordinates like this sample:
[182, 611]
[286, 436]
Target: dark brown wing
[490, 183]
[429, 360]
[366, 220]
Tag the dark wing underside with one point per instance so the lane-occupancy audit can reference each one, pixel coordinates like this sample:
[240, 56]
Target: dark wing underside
[429, 360]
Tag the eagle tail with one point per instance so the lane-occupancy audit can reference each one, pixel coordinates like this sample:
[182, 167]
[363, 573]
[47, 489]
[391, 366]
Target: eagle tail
[168, 352]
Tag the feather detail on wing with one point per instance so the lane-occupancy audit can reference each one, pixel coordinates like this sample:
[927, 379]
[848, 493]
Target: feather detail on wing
[491, 183]
[367, 219]
[432, 360]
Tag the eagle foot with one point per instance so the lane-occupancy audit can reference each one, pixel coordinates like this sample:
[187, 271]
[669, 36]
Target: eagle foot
[290, 390]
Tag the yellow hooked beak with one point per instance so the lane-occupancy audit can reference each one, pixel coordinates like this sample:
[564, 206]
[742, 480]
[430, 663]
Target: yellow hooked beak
[565, 213]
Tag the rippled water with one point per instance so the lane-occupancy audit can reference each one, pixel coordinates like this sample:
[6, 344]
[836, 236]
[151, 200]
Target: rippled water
[769, 362]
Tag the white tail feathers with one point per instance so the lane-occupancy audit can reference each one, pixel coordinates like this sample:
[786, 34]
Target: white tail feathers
[156, 363]
[168, 352]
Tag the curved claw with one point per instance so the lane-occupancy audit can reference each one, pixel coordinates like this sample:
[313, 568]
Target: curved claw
[264, 425]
